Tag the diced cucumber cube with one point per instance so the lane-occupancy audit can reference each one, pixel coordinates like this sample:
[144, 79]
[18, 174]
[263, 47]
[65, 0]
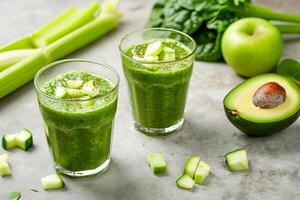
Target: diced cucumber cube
[167, 57]
[14, 196]
[237, 160]
[74, 93]
[4, 168]
[138, 58]
[90, 89]
[185, 182]
[51, 182]
[24, 140]
[202, 172]
[154, 49]
[150, 59]
[3, 157]
[169, 50]
[168, 54]
[157, 163]
[9, 141]
[74, 84]
[191, 166]
[60, 92]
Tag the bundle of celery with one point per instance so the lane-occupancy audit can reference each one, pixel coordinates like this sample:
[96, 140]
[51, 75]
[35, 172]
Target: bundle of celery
[73, 29]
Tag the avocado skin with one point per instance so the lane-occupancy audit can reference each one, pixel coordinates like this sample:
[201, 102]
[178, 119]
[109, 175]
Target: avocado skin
[259, 129]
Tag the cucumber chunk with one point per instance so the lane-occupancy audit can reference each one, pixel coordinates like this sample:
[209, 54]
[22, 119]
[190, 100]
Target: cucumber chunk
[138, 58]
[157, 163]
[167, 57]
[154, 49]
[52, 182]
[191, 166]
[90, 89]
[202, 172]
[9, 141]
[4, 168]
[60, 92]
[185, 182]
[150, 59]
[24, 140]
[75, 93]
[169, 50]
[168, 54]
[74, 84]
[3, 157]
[237, 160]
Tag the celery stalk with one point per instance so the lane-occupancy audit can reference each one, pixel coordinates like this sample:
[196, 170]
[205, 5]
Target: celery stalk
[17, 75]
[66, 23]
[12, 57]
[23, 43]
[69, 39]
[59, 19]
[81, 37]
[288, 28]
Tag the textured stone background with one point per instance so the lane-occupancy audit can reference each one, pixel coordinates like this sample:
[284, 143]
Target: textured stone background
[274, 160]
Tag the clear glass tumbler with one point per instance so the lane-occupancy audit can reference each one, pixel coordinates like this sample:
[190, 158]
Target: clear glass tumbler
[78, 133]
[158, 89]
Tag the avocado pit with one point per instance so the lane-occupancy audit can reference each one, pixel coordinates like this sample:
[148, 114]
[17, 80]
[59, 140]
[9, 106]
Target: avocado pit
[269, 95]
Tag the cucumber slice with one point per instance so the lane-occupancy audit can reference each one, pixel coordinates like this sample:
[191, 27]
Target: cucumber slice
[202, 172]
[138, 58]
[52, 182]
[60, 92]
[154, 49]
[185, 182]
[74, 84]
[9, 141]
[75, 93]
[167, 57]
[3, 157]
[191, 166]
[24, 140]
[237, 160]
[157, 163]
[150, 59]
[90, 89]
[169, 50]
[4, 168]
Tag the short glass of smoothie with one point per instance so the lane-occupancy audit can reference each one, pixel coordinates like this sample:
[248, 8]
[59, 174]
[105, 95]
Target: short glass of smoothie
[157, 64]
[78, 102]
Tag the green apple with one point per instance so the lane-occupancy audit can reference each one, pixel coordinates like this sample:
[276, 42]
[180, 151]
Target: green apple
[251, 46]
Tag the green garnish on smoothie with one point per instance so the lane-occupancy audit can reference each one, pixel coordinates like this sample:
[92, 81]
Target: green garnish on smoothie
[157, 84]
[78, 119]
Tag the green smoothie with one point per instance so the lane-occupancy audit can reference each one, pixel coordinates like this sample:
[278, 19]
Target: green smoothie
[158, 79]
[78, 115]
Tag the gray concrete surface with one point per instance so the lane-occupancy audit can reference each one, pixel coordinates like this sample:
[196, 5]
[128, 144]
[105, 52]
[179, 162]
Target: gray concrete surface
[275, 160]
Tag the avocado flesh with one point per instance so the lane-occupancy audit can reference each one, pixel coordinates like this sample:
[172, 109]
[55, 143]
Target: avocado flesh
[255, 121]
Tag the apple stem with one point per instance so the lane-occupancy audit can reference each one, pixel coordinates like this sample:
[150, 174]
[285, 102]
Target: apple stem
[252, 10]
[288, 28]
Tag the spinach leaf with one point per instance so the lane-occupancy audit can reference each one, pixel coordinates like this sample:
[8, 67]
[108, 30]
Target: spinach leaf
[291, 68]
[14, 196]
[206, 20]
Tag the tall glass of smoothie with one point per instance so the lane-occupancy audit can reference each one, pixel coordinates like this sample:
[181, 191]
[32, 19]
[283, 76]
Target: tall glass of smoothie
[78, 102]
[158, 64]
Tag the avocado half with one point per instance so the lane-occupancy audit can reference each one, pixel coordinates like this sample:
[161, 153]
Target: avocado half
[255, 121]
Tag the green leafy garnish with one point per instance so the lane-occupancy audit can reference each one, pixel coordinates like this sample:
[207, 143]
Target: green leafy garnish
[206, 20]
[291, 68]
[14, 196]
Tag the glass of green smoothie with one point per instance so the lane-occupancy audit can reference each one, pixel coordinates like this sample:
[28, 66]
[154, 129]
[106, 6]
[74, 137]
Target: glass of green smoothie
[78, 102]
[158, 64]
